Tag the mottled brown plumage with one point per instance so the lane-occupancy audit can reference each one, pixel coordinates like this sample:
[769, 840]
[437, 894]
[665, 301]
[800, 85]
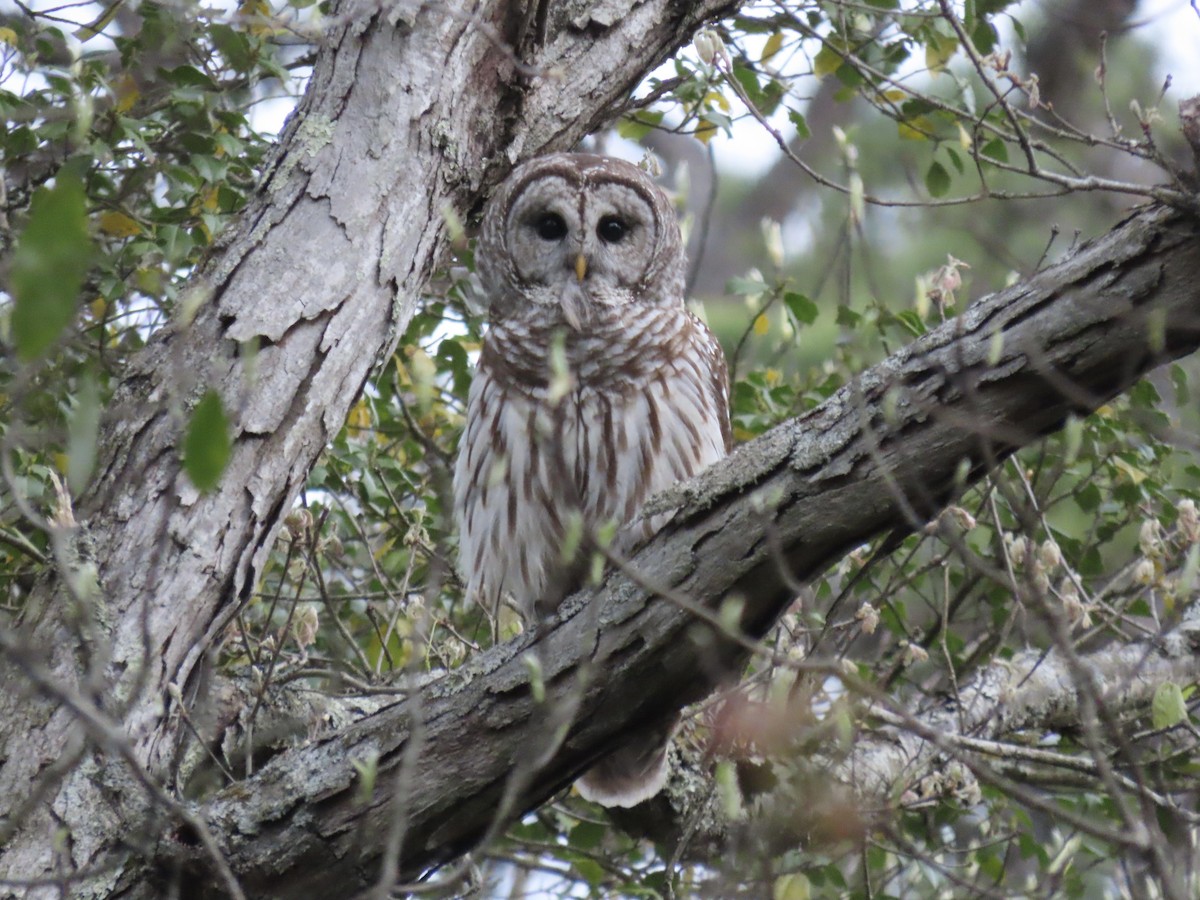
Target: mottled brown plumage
[595, 388]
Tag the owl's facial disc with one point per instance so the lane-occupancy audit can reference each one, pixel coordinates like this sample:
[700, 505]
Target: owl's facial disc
[582, 245]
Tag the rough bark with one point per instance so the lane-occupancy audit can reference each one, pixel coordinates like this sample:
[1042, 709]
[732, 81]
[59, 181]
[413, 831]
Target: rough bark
[413, 109]
[885, 452]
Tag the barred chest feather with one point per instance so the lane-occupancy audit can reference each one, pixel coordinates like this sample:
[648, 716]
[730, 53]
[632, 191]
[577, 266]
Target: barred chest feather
[645, 404]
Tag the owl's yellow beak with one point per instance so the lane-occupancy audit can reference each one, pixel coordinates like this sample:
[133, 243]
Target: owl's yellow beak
[580, 266]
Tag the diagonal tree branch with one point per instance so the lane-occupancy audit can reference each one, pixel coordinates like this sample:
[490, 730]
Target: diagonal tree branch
[883, 453]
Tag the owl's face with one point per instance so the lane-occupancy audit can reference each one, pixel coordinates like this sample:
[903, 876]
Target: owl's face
[577, 234]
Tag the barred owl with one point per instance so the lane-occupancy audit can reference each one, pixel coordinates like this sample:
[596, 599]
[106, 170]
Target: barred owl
[595, 388]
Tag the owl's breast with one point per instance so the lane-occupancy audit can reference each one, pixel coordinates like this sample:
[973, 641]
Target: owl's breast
[620, 349]
[638, 409]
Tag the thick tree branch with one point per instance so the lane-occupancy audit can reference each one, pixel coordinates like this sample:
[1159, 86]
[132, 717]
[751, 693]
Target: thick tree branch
[884, 453]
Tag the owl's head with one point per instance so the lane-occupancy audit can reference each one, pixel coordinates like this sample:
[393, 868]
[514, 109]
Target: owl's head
[578, 233]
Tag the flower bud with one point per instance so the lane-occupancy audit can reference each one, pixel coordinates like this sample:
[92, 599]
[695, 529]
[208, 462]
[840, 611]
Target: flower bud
[1049, 555]
[962, 520]
[1150, 538]
[1078, 612]
[298, 521]
[773, 241]
[914, 653]
[709, 46]
[1189, 521]
[305, 623]
[868, 618]
[1041, 580]
[1015, 547]
[332, 547]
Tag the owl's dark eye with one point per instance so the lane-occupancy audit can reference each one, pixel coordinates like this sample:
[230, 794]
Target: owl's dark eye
[550, 227]
[612, 230]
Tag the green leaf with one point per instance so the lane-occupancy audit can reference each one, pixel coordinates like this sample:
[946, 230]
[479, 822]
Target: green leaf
[772, 94]
[939, 50]
[1168, 707]
[637, 126]
[190, 76]
[1089, 497]
[728, 792]
[937, 180]
[802, 309]
[652, 884]
[206, 446]
[1145, 394]
[236, 46]
[537, 681]
[800, 124]
[82, 429]
[852, 78]
[794, 886]
[996, 150]
[774, 42]
[912, 322]
[847, 317]
[916, 107]
[49, 264]
[827, 61]
[587, 835]
[956, 159]
[748, 79]
[590, 870]
[985, 37]
[1187, 573]
[746, 287]
[1072, 438]
[1179, 381]
[368, 772]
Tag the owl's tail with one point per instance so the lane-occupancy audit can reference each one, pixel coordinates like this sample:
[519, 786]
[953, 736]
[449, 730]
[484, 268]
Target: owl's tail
[635, 771]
